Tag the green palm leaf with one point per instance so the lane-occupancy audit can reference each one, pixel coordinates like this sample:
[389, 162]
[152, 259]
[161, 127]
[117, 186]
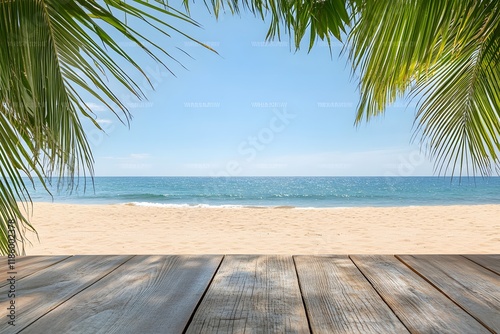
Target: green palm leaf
[459, 116]
[320, 19]
[446, 54]
[50, 51]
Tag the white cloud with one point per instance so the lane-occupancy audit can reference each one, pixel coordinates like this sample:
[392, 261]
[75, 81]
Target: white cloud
[134, 166]
[130, 157]
[96, 107]
[104, 121]
[403, 161]
[139, 156]
[386, 162]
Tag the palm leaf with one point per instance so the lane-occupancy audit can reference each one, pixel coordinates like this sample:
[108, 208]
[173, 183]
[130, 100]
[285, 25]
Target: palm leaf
[320, 19]
[459, 117]
[52, 51]
[444, 53]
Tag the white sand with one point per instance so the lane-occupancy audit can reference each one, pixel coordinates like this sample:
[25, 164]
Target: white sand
[128, 229]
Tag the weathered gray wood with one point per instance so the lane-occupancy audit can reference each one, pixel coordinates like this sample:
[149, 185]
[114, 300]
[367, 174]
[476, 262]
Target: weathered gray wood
[421, 307]
[339, 299]
[44, 290]
[252, 294]
[148, 294]
[490, 261]
[475, 289]
[27, 265]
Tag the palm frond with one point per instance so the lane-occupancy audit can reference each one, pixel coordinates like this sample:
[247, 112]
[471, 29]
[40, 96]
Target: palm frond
[459, 116]
[52, 51]
[446, 54]
[318, 18]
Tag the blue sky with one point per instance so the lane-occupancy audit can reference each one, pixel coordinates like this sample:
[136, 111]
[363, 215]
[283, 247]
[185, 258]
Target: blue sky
[255, 109]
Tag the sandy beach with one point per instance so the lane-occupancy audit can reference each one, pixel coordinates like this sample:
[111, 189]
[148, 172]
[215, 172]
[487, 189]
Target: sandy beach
[130, 229]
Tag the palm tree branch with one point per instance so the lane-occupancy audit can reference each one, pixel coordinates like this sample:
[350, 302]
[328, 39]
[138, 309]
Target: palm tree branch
[49, 57]
[322, 18]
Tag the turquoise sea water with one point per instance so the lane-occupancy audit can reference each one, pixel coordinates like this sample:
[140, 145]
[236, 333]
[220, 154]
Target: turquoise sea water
[281, 191]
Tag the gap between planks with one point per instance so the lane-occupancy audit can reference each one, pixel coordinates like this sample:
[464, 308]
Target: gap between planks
[203, 296]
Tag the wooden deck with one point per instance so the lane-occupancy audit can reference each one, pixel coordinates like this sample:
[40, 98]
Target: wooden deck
[254, 294]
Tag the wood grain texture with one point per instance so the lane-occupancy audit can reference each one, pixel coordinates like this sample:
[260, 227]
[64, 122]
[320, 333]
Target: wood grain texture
[475, 289]
[148, 294]
[421, 307]
[44, 290]
[339, 299]
[252, 294]
[27, 265]
[490, 261]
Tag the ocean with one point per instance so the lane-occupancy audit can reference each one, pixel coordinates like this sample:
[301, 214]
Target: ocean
[299, 192]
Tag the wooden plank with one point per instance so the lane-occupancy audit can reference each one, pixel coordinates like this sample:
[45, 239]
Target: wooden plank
[339, 299]
[39, 293]
[148, 294]
[421, 307]
[490, 261]
[474, 288]
[252, 294]
[27, 265]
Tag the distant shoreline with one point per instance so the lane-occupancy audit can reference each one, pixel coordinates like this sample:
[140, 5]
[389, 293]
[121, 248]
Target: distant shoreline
[228, 206]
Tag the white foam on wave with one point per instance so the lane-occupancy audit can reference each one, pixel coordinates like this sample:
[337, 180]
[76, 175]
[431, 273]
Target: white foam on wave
[324, 207]
[169, 205]
[221, 206]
